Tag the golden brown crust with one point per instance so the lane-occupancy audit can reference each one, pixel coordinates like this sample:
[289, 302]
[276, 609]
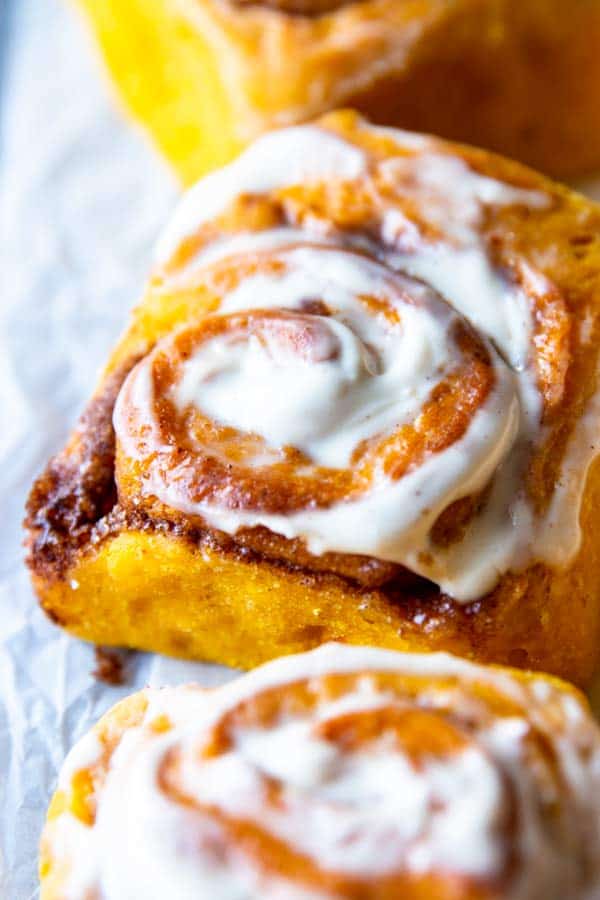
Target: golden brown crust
[521, 77]
[77, 489]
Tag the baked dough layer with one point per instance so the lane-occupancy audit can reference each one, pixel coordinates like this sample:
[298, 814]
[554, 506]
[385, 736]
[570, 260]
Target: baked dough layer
[155, 591]
[204, 77]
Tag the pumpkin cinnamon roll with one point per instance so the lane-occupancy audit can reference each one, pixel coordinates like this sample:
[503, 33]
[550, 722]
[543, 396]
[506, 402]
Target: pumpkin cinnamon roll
[342, 773]
[206, 77]
[358, 402]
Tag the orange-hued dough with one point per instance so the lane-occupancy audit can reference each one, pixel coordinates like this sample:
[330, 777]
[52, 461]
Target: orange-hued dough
[204, 77]
[158, 592]
[168, 795]
[121, 568]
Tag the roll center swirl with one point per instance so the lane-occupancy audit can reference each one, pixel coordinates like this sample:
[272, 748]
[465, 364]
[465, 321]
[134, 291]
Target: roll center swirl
[361, 370]
[276, 374]
[277, 410]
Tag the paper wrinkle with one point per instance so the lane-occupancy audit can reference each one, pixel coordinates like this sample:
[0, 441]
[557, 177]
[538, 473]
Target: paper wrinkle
[82, 200]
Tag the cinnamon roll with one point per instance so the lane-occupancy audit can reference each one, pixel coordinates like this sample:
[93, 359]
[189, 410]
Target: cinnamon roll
[359, 401]
[346, 772]
[206, 77]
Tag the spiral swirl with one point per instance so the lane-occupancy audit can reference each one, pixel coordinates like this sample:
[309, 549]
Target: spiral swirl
[357, 371]
[347, 773]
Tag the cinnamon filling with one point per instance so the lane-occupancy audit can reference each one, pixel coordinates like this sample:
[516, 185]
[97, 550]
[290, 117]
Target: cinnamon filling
[305, 8]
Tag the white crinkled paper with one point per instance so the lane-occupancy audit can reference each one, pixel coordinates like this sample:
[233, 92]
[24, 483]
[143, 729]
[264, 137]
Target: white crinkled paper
[82, 198]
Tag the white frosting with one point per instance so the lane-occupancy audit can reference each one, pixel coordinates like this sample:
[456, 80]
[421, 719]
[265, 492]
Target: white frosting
[378, 377]
[555, 541]
[328, 405]
[367, 812]
[275, 160]
[327, 408]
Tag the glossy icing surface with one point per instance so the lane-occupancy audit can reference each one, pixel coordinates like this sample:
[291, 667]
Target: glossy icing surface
[345, 767]
[384, 374]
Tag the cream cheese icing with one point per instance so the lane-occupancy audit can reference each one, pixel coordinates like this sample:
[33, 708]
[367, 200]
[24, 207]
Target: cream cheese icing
[359, 810]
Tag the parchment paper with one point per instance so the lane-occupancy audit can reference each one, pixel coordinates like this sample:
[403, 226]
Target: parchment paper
[82, 197]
